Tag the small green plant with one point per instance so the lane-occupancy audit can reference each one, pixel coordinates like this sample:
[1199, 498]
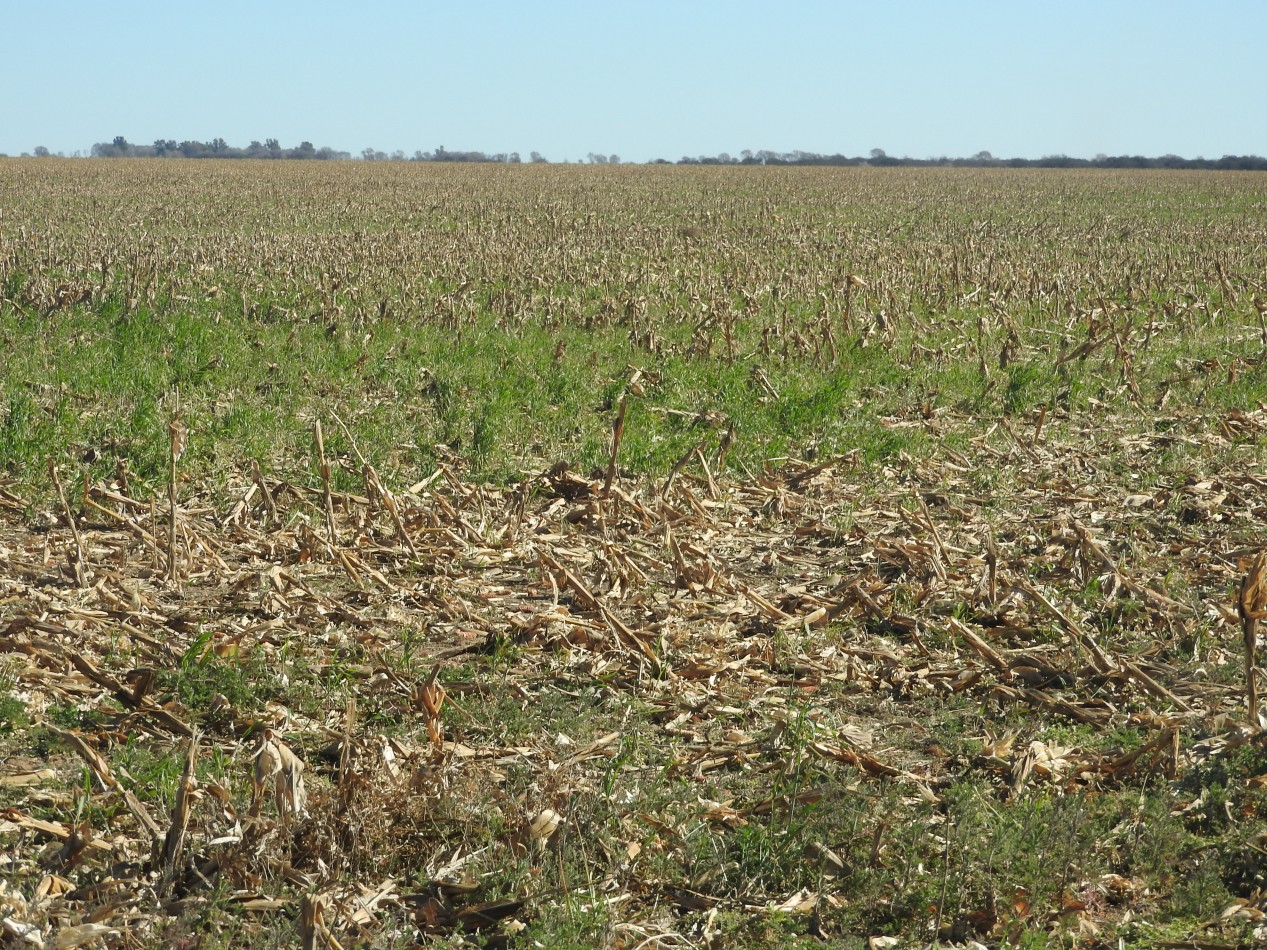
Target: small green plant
[202, 675]
[13, 717]
[66, 716]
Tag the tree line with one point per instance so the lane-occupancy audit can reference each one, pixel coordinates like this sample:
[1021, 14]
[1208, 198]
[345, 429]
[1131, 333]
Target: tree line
[879, 157]
[120, 147]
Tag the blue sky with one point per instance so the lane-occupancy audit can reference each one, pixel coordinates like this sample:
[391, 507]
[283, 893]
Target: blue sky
[644, 79]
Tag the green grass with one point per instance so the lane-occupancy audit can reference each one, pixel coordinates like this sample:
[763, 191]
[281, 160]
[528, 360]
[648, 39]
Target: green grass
[96, 385]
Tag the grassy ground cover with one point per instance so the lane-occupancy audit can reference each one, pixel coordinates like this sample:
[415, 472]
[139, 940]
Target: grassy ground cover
[688, 556]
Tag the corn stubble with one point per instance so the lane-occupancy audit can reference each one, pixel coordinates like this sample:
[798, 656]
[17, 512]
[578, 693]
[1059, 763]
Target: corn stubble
[1000, 598]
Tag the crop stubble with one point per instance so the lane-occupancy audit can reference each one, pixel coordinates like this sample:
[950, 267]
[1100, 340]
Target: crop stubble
[632, 677]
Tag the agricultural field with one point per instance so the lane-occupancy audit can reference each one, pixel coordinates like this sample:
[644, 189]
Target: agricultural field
[403, 555]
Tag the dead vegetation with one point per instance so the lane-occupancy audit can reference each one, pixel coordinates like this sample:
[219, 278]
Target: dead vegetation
[822, 619]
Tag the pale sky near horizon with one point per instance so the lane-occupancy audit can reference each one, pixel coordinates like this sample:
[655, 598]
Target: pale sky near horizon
[644, 80]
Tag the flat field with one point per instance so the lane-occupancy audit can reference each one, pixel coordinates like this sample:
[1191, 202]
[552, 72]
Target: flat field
[630, 556]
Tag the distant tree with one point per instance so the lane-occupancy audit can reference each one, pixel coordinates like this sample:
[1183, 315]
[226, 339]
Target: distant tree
[216, 148]
[983, 156]
[41, 152]
[514, 158]
[537, 158]
[877, 154]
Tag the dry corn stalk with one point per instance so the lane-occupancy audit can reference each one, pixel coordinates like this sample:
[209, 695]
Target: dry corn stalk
[618, 433]
[1250, 605]
[542, 828]
[432, 695]
[536, 833]
[177, 438]
[313, 930]
[174, 841]
[324, 464]
[79, 566]
[273, 760]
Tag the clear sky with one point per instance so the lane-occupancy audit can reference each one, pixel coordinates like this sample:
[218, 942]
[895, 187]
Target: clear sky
[647, 79]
